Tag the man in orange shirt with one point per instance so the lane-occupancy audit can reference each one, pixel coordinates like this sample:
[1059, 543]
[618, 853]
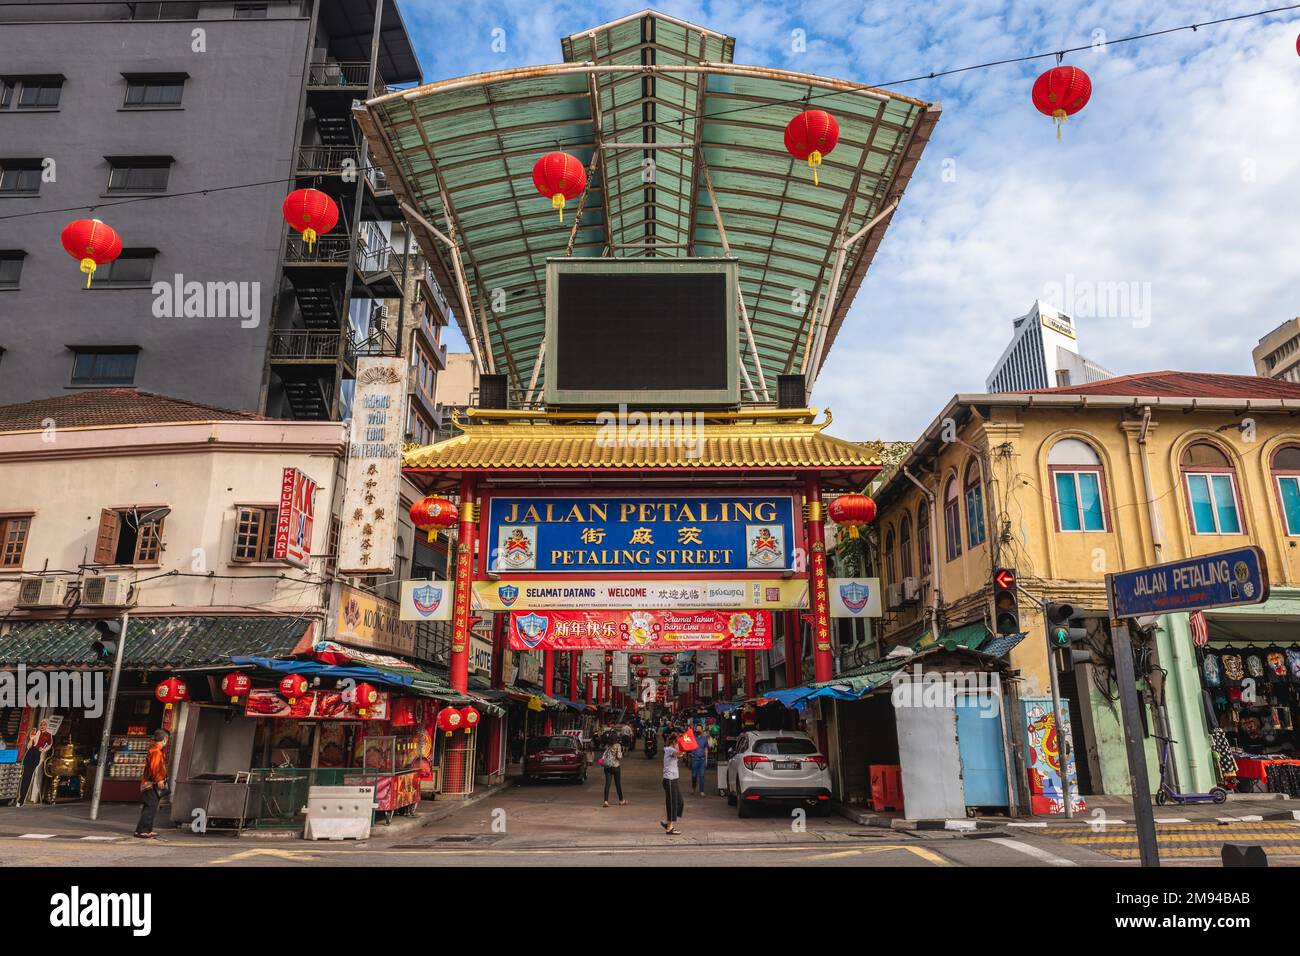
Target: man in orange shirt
[153, 784]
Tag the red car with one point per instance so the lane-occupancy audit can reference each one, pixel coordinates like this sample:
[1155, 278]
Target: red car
[555, 757]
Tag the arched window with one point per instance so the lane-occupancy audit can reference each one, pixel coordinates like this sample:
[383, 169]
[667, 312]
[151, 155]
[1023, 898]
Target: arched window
[1077, 483]
[1286, 471]
[923, 537]
[889, 557]
[974, 506]
[905, 547]
[1211, 490]
[952, 518]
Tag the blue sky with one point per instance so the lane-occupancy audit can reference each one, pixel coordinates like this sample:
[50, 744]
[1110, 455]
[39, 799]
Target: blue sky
[1179, 184]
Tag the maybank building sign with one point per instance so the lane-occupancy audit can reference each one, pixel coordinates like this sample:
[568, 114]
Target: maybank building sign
[679, 533]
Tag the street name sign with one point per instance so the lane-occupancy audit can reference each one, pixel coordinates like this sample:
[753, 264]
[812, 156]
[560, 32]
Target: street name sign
[1223, 579]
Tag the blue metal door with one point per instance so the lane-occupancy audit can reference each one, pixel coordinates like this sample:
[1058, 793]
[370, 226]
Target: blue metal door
[980, 745]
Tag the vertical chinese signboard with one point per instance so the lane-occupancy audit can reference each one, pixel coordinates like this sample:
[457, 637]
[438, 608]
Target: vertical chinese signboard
[295, 518]
[371, 496]
[820, 600]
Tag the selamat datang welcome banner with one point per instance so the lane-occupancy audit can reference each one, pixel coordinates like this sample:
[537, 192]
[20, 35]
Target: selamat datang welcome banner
[640, 630]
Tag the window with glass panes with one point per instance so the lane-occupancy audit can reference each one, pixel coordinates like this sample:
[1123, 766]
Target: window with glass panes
[11, 267]
[1077, 482]
[21, 177]
[923, 538]
[974, 506]
[905, 547]
[132, 268]
[254, 534]
[149, 174]
[1286, 470]
[162, 90]
[13, 540]
[952, 519]
[1211, 490]
[102, 368]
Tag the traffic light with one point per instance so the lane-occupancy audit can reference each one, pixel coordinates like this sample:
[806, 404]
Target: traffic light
[1006, 608]
[1061, 637]
[105, 646]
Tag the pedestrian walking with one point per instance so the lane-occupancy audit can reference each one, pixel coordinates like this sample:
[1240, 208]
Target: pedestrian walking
[153, 784]
[673, 803]
[612, 761]
[699, 760]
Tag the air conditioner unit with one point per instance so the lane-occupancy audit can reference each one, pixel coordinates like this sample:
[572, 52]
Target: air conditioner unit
[45, 590]
[106, 590]
[911, 590]
[893, 597]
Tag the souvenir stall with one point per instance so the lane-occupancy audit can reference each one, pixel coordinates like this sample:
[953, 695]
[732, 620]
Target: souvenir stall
[1250, 673]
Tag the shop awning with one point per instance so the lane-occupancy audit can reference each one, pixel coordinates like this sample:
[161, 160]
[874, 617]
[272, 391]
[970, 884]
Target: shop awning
[970, 636]
[419, 683]
[157, 643]
[851, 685]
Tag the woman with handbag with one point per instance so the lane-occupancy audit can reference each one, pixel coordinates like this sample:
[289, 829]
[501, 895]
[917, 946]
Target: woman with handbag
[612, 760]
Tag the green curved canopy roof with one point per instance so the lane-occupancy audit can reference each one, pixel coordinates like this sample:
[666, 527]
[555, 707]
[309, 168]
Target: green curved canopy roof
[658, 113]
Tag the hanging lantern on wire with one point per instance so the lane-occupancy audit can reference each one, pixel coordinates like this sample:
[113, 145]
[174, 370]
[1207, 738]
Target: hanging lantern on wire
[852, 512]
[450, 720]
[637, 659]
[559, 177]
[366, 698]
[469, 717]
[92, 242]
[432, 515]
[310, 212]
[293, 686]
[812, 135]
[667, 658]
[1061, 92]
[171, 691]
[235, 685]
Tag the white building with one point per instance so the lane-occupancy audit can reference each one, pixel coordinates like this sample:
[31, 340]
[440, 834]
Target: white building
[1043, 353]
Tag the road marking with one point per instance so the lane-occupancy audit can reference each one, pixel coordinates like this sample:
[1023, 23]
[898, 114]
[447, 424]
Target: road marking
[280, 854]
[37, 836]
[1015, 823]
[959, 824]
[1172, 820]
[1036, 852]
[101, 839]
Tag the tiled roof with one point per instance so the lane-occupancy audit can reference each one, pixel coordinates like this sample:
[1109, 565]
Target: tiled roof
[585, 446]
[112, 406]
[1181, 385]
[173, 643]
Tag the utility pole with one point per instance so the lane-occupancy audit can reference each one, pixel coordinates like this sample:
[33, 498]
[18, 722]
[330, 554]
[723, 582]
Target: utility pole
[102, 763]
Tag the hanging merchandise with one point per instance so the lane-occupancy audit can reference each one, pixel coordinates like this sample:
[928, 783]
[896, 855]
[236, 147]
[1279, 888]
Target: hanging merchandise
[1293, 663]
[1277, 664]
[1210, 668]
[1232, 668]
[1061, 92]
[91, 241]
[812, 135]
[559, 177]
[310, 212]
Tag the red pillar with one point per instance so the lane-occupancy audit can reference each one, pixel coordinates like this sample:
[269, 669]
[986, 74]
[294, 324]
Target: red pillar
[751, 675]
[818, 592]
[793, 649]
[464, 585]
[727, 673]
[574, 676]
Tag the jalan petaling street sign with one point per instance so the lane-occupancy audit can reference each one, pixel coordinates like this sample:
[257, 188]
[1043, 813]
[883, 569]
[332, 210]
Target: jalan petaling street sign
[636, 534]
[1223, 579]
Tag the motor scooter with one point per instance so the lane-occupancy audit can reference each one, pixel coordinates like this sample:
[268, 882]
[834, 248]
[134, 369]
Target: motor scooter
[650, 745]
[1167, 792]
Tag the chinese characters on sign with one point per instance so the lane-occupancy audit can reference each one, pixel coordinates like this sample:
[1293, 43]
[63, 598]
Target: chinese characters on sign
[368, 539]
[569, 594]
[678, 532]
[667, 631]
[820, 602]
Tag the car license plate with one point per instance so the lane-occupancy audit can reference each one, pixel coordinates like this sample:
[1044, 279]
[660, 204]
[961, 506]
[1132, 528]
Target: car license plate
[785, 765]
[551, 759]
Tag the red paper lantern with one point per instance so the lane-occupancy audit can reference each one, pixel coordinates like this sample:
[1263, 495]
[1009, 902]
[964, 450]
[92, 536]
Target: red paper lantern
[432, 514]
[664, 672]
[91, 241]
[293, 686]
[469, 717]
[1061, 92]
[366, 696]
[643, 672]
[637, 658]
[852, 511]
[663, 681]
[235, 685]
[666, 658]
[558, 177]
[310, 212]
[812, 135]
[172, 691]
[450, 719]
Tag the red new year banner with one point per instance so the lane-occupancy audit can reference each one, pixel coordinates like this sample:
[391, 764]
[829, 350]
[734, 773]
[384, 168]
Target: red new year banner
[641, 630]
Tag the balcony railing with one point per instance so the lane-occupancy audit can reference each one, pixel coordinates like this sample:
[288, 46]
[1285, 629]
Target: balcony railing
[302, 346]
[317, 160]
[326, 249]
[335, 74]
[377, 343]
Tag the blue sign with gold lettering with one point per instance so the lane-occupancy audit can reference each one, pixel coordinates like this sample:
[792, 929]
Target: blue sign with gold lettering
[678, 533]
[1223, 579]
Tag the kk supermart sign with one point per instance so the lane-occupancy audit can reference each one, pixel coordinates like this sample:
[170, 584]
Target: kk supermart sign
[641, 630]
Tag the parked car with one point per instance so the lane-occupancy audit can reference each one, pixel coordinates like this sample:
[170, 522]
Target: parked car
[556, 756]
[777, 767]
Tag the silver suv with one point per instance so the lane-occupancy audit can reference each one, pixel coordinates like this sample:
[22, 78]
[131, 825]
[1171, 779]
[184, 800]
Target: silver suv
[777, 766]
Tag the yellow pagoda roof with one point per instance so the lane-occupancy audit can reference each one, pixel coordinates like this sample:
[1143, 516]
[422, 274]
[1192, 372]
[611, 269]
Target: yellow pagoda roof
[546, 443]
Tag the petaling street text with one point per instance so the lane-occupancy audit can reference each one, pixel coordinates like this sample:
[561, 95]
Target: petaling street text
[643, 512]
